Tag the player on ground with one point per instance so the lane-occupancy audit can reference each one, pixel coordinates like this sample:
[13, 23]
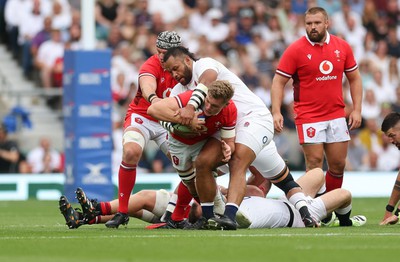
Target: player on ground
[391, 128]
[272, 213]
[150, 205]
[254, 133]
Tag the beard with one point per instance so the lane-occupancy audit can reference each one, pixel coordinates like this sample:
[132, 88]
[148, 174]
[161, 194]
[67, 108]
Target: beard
[187, 75]
[314, 36]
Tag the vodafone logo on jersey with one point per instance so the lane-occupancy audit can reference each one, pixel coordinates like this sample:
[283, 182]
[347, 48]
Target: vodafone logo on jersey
[326, 67]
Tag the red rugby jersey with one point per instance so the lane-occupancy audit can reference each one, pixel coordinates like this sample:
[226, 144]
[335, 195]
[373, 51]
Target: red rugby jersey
[165, 83]
[226, 119]
[317, 73]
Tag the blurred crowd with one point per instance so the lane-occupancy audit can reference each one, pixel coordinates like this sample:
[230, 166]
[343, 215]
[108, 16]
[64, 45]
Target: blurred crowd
[248, 36]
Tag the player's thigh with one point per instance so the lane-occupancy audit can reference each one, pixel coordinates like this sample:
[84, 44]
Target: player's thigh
[268, 162]
[210, 154]
[183, 155]
[254, 131]
[314, 155]
[336, 155]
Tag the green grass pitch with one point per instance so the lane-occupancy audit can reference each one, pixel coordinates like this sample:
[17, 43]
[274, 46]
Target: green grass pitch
[35, 231]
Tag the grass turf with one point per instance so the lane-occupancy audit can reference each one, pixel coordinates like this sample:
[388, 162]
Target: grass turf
[35, 231]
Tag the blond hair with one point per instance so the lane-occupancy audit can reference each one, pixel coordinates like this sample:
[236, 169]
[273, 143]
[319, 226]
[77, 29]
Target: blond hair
[221, 89]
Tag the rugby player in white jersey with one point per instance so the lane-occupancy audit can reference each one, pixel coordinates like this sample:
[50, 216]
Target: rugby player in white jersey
[253, 144]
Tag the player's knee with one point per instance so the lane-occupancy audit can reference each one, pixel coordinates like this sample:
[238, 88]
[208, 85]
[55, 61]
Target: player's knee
[287, 184]
[314, 162]
[346, 194]
[131, 153]
[133, 144]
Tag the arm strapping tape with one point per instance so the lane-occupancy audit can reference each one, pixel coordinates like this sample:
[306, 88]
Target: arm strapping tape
[167, 126]
[198, 96]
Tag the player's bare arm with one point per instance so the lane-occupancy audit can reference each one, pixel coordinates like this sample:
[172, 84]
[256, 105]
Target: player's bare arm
[277, 91]
[148, 85]
[165, 110]
[356, 92]
[394, 199]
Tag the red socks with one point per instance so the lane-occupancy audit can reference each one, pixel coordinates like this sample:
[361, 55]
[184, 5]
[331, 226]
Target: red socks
[105, 208]
[333, 180]
[126, 182]
[184, 198]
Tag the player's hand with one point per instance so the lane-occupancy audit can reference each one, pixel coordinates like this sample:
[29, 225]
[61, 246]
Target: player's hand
[391, 220]
[278, 122]
[198, 124]
[226, 151]
[186, 114]
[354, 120]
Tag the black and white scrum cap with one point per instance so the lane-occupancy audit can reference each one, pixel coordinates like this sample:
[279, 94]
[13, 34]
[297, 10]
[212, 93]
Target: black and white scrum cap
[168, 39]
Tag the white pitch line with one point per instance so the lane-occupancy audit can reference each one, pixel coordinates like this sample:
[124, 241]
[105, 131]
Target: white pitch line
[201, 236]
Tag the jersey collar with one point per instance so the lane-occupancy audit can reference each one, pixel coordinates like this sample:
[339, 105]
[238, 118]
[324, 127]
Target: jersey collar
[327, 40]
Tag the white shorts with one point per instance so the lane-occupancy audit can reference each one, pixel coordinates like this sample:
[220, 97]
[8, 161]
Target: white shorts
[162, 199]
[268, 162]
[316, 207]
[255, 131]
[183, 155]
[330, 131]
[151, 130]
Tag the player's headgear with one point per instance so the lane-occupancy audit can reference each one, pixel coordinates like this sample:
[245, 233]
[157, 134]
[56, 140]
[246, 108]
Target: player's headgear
[168, 39]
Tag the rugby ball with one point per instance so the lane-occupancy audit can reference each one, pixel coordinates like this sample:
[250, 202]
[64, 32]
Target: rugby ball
[182, 128]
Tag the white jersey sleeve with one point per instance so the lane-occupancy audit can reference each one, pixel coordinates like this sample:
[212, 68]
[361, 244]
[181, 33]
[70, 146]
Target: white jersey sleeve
[245, 100]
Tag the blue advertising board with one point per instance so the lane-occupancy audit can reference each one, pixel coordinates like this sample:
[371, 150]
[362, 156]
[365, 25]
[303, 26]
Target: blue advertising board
[87, 105]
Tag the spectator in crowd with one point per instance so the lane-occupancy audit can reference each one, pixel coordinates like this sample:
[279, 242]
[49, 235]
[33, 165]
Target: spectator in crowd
[142, 16]
[107, 14]
[9, 153]
[396, 104]
[48, 54]
[12, 16]
[357, 155]
[31, 24]
[370, 106]
[41, 37]
[43, 158]
[170, 10]
[61, 17]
